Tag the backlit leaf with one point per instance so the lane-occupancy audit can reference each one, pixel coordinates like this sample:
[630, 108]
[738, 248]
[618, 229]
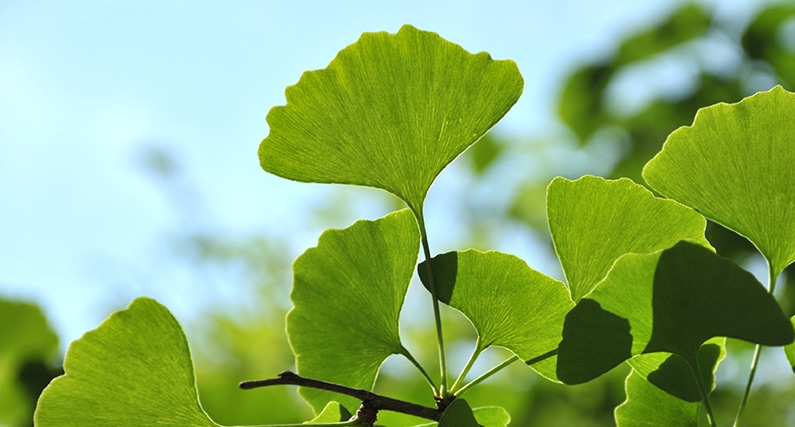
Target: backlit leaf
[593, 221]
[458, 414]
[669, 301]
[135, 369]
[735, 166]
[509, 304]
[648, 406]
[390, 111]
[347, 294]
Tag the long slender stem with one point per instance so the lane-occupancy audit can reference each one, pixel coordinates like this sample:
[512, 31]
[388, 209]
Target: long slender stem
[373, 400]
[702, 389]
[425, 375]
[487, 374]
[771, 286]
[443, 390]
[475, 353]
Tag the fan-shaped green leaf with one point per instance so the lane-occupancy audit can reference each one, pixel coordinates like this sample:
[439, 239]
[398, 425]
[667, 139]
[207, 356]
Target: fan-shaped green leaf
[593, 221]
[487, 416]
[390, 111]
[135, 369]
[347, 293]
[648, 406]
[509, 304]
[735, 166]
[332, 413]
[669, 301]
[458, 414]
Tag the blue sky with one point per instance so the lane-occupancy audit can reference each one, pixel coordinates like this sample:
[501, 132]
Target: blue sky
[86, 85]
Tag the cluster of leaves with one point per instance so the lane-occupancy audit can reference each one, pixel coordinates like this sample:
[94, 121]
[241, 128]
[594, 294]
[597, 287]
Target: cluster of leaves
[643, 284]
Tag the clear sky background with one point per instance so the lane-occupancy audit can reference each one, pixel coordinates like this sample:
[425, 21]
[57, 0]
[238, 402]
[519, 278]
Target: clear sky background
[87, 86]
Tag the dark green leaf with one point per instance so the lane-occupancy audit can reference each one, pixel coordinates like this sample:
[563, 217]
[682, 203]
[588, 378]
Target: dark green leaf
[669, 301]
[458, 414]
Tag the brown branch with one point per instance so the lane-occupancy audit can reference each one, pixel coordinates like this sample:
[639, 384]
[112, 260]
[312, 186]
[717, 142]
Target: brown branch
[368, 398]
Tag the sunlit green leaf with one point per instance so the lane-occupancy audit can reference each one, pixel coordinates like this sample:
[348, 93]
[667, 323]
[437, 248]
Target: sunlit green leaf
[735, 166]
[332, 413]
[648, 406]
[458, 414]
[789, 350]
[669, 301]
[594, 221]
[347, 293]
[135, 369]
[509, 304]
[26, 340]
[390, 111]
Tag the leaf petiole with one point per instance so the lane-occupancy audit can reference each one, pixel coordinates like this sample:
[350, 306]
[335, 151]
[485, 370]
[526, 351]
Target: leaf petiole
[771, 280]
[702, 389]
[475, 354]
[487, 374]
[443, 390]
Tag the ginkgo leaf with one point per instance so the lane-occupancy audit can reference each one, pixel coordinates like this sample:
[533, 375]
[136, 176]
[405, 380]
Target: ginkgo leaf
[390, 111]
[789, 350]
[509, 304]
[458, 414]
[347, 294]
[332, 413]
[648, 406]
[487, 416]
[668, 301]
[593, 221]
[135, 369]
[735, 166]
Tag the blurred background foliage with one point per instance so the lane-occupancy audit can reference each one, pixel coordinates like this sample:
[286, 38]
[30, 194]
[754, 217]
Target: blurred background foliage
[615, 112]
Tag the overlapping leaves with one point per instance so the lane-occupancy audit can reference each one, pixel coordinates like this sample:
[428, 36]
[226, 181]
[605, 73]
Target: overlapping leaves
[669, 301]
[734, 165]
[509, 304]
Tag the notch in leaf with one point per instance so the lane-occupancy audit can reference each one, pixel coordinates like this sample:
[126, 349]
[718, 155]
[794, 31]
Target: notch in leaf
[669, 301]
[390, 112]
